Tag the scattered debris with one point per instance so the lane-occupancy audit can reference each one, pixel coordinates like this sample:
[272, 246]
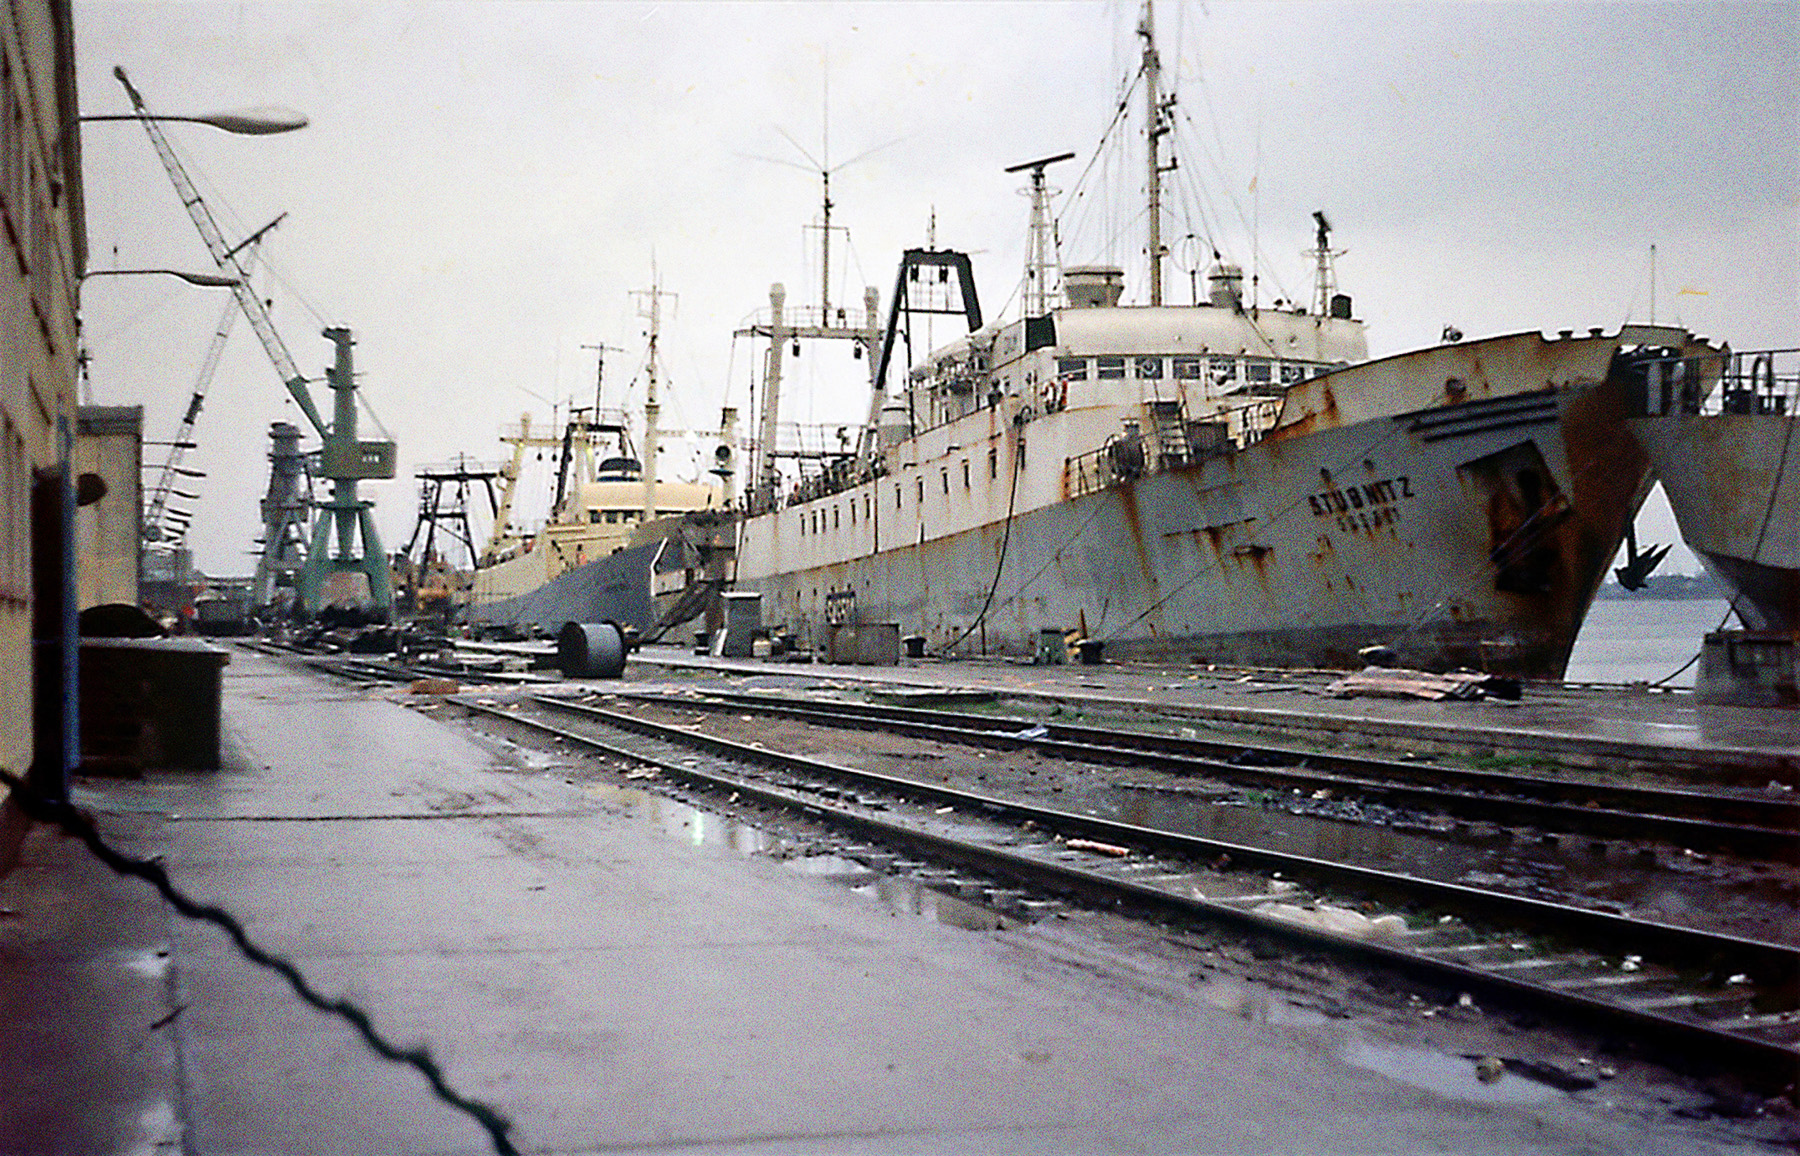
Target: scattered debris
[434, 686]
[1098, 848]
[1489, 1068]
[1336, 920]
[1399, 682]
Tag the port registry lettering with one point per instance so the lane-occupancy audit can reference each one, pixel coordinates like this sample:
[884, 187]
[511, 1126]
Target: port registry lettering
[1368, 506]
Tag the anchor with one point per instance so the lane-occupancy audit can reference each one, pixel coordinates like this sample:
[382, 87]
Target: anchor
[1637, 568]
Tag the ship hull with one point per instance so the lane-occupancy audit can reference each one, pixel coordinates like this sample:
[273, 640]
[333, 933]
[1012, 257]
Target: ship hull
[1462, 535]
[1733, 481]
[616, 588]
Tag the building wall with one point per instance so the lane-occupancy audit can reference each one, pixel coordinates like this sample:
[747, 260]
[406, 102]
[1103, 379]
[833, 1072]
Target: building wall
[109, 445]
[42, 250]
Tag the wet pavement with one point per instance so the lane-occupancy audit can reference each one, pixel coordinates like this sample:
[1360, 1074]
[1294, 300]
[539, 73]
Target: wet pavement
[613, 969]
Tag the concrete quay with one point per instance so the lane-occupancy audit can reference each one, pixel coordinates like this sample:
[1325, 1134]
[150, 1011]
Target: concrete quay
[615, 970]
[1603, 728]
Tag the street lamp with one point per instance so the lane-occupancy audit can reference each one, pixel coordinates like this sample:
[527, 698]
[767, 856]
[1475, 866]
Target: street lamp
[264, 121]
[245, 122]
[205, 280]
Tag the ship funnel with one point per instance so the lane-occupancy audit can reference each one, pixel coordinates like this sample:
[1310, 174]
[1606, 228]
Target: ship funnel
[1225, 286]
[896, 423]
[1094, 286]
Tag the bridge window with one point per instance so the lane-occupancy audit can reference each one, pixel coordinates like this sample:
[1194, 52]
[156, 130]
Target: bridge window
[1257, 372]
[1109, 367]
[1149, 368]
[1188, 368]
[1072, 368]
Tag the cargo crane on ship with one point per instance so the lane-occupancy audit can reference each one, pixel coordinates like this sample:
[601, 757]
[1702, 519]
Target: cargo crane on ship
[344, 459]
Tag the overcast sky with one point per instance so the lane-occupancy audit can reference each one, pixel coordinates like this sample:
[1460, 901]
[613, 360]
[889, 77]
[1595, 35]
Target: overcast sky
[483, 185]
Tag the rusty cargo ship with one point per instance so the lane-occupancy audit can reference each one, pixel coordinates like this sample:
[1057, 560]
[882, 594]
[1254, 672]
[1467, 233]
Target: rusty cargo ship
[1216, 481]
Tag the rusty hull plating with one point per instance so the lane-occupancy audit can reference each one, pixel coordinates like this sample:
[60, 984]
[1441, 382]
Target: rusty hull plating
[1458, 504]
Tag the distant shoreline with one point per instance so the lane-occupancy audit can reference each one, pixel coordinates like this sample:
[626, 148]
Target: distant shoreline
[1665, 588]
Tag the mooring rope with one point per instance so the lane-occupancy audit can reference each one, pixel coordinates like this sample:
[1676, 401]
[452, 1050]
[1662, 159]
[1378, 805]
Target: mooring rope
[66, 817]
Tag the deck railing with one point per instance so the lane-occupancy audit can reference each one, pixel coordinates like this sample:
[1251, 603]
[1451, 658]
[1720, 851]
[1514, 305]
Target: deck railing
[1765, 381]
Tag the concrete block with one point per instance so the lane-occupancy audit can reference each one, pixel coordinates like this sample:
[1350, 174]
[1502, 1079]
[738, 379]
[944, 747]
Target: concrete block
[149, 703]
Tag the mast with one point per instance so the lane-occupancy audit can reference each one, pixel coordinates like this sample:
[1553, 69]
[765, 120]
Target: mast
[1157, 126]
[825, 252]
[1041, 252]
[1324, 275]
[652, 310]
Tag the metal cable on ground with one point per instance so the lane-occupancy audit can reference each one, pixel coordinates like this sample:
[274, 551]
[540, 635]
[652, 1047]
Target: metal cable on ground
[71, 821]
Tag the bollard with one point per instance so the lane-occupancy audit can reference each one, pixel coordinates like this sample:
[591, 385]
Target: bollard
[591, 650]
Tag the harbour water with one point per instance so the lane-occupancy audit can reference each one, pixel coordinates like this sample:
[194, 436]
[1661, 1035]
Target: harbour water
[1643, 639]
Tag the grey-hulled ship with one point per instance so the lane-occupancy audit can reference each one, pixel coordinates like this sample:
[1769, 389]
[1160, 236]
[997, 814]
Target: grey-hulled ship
[1723, 438]
[1217, 481]
[1728, 456]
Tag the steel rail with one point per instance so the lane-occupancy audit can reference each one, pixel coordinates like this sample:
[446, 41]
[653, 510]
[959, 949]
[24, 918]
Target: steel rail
[1761, 1060]
[1686, 818]
[1774, 962]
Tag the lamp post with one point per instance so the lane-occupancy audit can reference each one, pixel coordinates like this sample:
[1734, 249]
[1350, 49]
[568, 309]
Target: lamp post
[56, 653]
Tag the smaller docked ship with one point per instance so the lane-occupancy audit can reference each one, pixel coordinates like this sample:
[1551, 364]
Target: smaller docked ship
[620, 544]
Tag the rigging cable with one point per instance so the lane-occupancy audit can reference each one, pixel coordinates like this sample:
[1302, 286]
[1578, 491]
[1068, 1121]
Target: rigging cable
[1012, 494]
[1219, 565]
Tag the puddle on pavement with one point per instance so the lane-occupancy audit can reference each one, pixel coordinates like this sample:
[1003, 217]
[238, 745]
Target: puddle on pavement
[699, 827]
[831, 867]
[1441, 1074]
[158, 1130]
[151, 963]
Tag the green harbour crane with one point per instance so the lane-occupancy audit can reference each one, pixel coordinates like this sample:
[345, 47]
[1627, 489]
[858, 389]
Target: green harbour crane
[344, 538]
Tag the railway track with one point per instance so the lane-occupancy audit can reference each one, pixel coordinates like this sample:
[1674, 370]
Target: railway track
[1686, 993]
[1738, 823]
